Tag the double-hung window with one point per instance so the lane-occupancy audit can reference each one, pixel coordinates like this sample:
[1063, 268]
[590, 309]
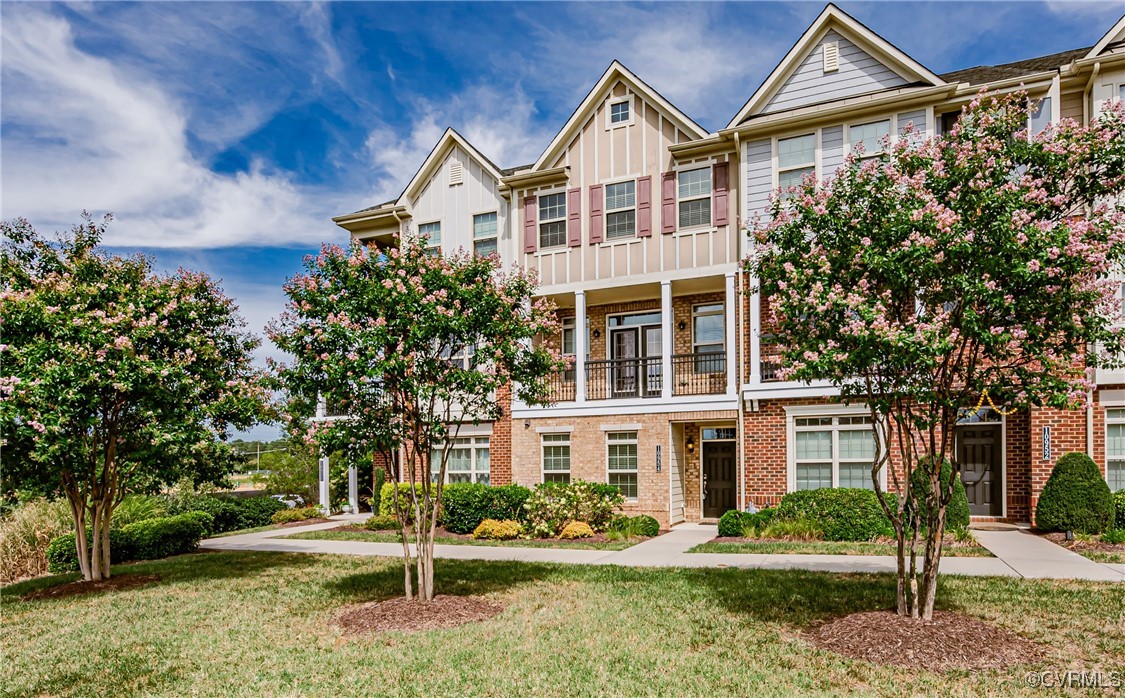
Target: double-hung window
[469, 461]
[556, 457]
[694, 197]
[621, 447]
[708, 337]
[833, 452]
[552, 220]
[432, 233]
[796, 158]
[620, 210]
[871, 135]
[484, 234]
[1115, 448]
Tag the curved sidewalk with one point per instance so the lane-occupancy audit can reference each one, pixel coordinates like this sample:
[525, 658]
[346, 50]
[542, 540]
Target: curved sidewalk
[1028, 557]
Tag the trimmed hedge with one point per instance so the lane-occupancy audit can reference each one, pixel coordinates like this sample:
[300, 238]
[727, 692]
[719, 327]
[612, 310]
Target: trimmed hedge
[576, 529]
[381, 523]
[150, 539]
[957, 511]
[1075, 498]
[491, 529]
[734, 522]
[230, 513]
[296, 514]
[843, 513]
[465, 505]
[387, 500]
[1119, 506]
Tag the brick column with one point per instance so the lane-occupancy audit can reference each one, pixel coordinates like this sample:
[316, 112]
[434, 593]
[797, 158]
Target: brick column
[1067, 434]
[500, 443]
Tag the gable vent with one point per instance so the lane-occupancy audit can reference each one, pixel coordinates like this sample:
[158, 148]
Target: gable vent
[456, 173]
[831, 56]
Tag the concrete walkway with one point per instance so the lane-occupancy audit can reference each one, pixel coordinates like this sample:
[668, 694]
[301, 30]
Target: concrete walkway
[1015, 557]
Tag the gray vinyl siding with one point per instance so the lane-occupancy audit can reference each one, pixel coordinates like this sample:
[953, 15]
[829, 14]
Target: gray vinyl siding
[917, 117]
[859, 73]
[831, 151]
[758, 161]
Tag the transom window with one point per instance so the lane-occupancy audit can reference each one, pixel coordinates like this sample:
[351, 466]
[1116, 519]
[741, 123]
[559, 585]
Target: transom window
[469, 461]
[833, 452]
[796, 158]
[432, 232]
[619, 112]
[720, 433]
[694, 197]
[484, 234]
[1115, 449]
[871, 135]
[620, 210]
[622, 462]
[708, 337]
[556, 457]
[552, 220]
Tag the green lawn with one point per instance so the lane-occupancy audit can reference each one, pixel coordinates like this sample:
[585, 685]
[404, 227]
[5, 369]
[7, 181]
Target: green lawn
[822, 547]
[1099, 556]
[385, 537]
[242, 624]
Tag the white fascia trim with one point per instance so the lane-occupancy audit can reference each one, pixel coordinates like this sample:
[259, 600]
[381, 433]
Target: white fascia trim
[610, 408]
[621, 427]
[1108, 38]
[787, 390]
[715, 270]
[833, 410]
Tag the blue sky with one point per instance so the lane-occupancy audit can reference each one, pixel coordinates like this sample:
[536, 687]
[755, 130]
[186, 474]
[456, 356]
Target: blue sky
[223, 136]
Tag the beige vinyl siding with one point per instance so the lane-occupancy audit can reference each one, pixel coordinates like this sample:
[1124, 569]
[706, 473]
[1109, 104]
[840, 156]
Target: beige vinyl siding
[1070, 106]
[455, 206]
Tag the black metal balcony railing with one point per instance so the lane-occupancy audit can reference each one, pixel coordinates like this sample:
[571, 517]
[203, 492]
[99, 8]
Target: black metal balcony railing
[624, 378]
[704, 373]
[770, 362]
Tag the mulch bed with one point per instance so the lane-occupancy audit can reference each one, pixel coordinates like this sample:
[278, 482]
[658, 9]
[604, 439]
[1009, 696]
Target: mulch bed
[1094, 546]
[305, 522]
[440, 532]
[415, 616]
[82, 587]
[949, 641]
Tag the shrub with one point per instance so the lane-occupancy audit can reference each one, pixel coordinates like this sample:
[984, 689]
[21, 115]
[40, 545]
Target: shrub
[843, 513]
[957, 511]
[554, 504]
[229, 513]
[642, 526]
[297, 514]
[576, 529]
[730, 524]
[465, 505]
[387, 500]
[25, 534]
[491, 529]
[1075, 498]
[153, 539]
[1115, 536]
[381, 523]
[1119, 506]
[736, 523]
[790, 529]
[138, 507]
[62, 556]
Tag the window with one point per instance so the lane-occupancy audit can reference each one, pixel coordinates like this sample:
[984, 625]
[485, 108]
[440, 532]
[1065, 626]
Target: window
[556, 457]
[620, 210]
[1115, 449]
[694, 197]
[622, 462]
[707, 338]
[720, 433]
[432, 232]
[871, 136]
[569, 346]
[619, 112]
[1040, 116]
[484, 234]
[796, 157]
[552, 220]
[469, 461]
[832, 450]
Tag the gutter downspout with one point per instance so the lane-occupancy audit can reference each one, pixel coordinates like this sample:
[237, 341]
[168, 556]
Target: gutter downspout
[1086, 115]
[1090, 424]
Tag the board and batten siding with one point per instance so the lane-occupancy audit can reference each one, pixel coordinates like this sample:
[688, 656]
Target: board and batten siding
[758, 161]
[598, 156]
[859, 73]
[455, 205]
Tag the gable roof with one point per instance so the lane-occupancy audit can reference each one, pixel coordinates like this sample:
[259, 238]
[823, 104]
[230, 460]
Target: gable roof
[833, 17]
[447, 142]
[616, 71]
[988, 73]
[1115, 34]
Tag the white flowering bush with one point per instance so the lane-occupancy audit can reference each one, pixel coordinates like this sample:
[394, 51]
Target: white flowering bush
[553, 505]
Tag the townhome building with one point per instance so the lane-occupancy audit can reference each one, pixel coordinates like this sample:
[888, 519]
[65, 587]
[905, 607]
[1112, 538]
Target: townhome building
[635, 219]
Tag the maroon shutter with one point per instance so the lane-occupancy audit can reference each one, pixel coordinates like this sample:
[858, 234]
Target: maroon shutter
[597, 206]
[719, 203]
[574, 217]
[668, 202]
[529, 214]
[644, 207]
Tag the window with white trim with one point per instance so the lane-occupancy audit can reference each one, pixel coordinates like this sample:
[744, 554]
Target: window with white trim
[469, 461]
[484, 234]
[693, 195]
[432, 231]
[552, 220]
[621, 452]
[1115, 449]
[620, 210]
[555, 451]
[708, 337]
[619, 112]
[833, 452]
[796, 158]
[871, 136]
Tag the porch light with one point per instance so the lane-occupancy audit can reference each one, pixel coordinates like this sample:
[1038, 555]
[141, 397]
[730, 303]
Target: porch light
[597, 333]
[690, 444]
[681, 326]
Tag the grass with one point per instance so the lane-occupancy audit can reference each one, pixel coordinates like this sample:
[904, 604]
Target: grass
[1100, 556]
[822, 547]
[385, 537]
[249, 624]
[258, 529]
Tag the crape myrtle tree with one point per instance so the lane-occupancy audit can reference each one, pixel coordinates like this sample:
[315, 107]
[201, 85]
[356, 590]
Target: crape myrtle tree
[972, 265]
[114, 379]
[410, 345]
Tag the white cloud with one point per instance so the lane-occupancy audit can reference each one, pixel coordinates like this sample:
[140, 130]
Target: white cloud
[316, 19]
[81, 132]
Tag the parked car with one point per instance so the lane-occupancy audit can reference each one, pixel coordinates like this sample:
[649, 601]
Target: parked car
[290, 500]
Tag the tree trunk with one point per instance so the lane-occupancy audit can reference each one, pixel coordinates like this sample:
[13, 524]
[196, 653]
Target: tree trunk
[97, 570]
[107, 516]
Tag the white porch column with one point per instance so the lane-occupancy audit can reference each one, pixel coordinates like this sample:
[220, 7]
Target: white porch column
[755, 331]
[580, 330]
[665, 339]
[731, 336]
[353, 488]
[324, 489]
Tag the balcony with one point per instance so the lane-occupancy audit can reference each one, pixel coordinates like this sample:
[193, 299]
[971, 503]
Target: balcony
[703, 373]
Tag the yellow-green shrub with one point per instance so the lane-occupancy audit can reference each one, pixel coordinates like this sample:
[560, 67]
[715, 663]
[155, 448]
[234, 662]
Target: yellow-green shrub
[576, 529]
[290, 515]
[491, 529]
